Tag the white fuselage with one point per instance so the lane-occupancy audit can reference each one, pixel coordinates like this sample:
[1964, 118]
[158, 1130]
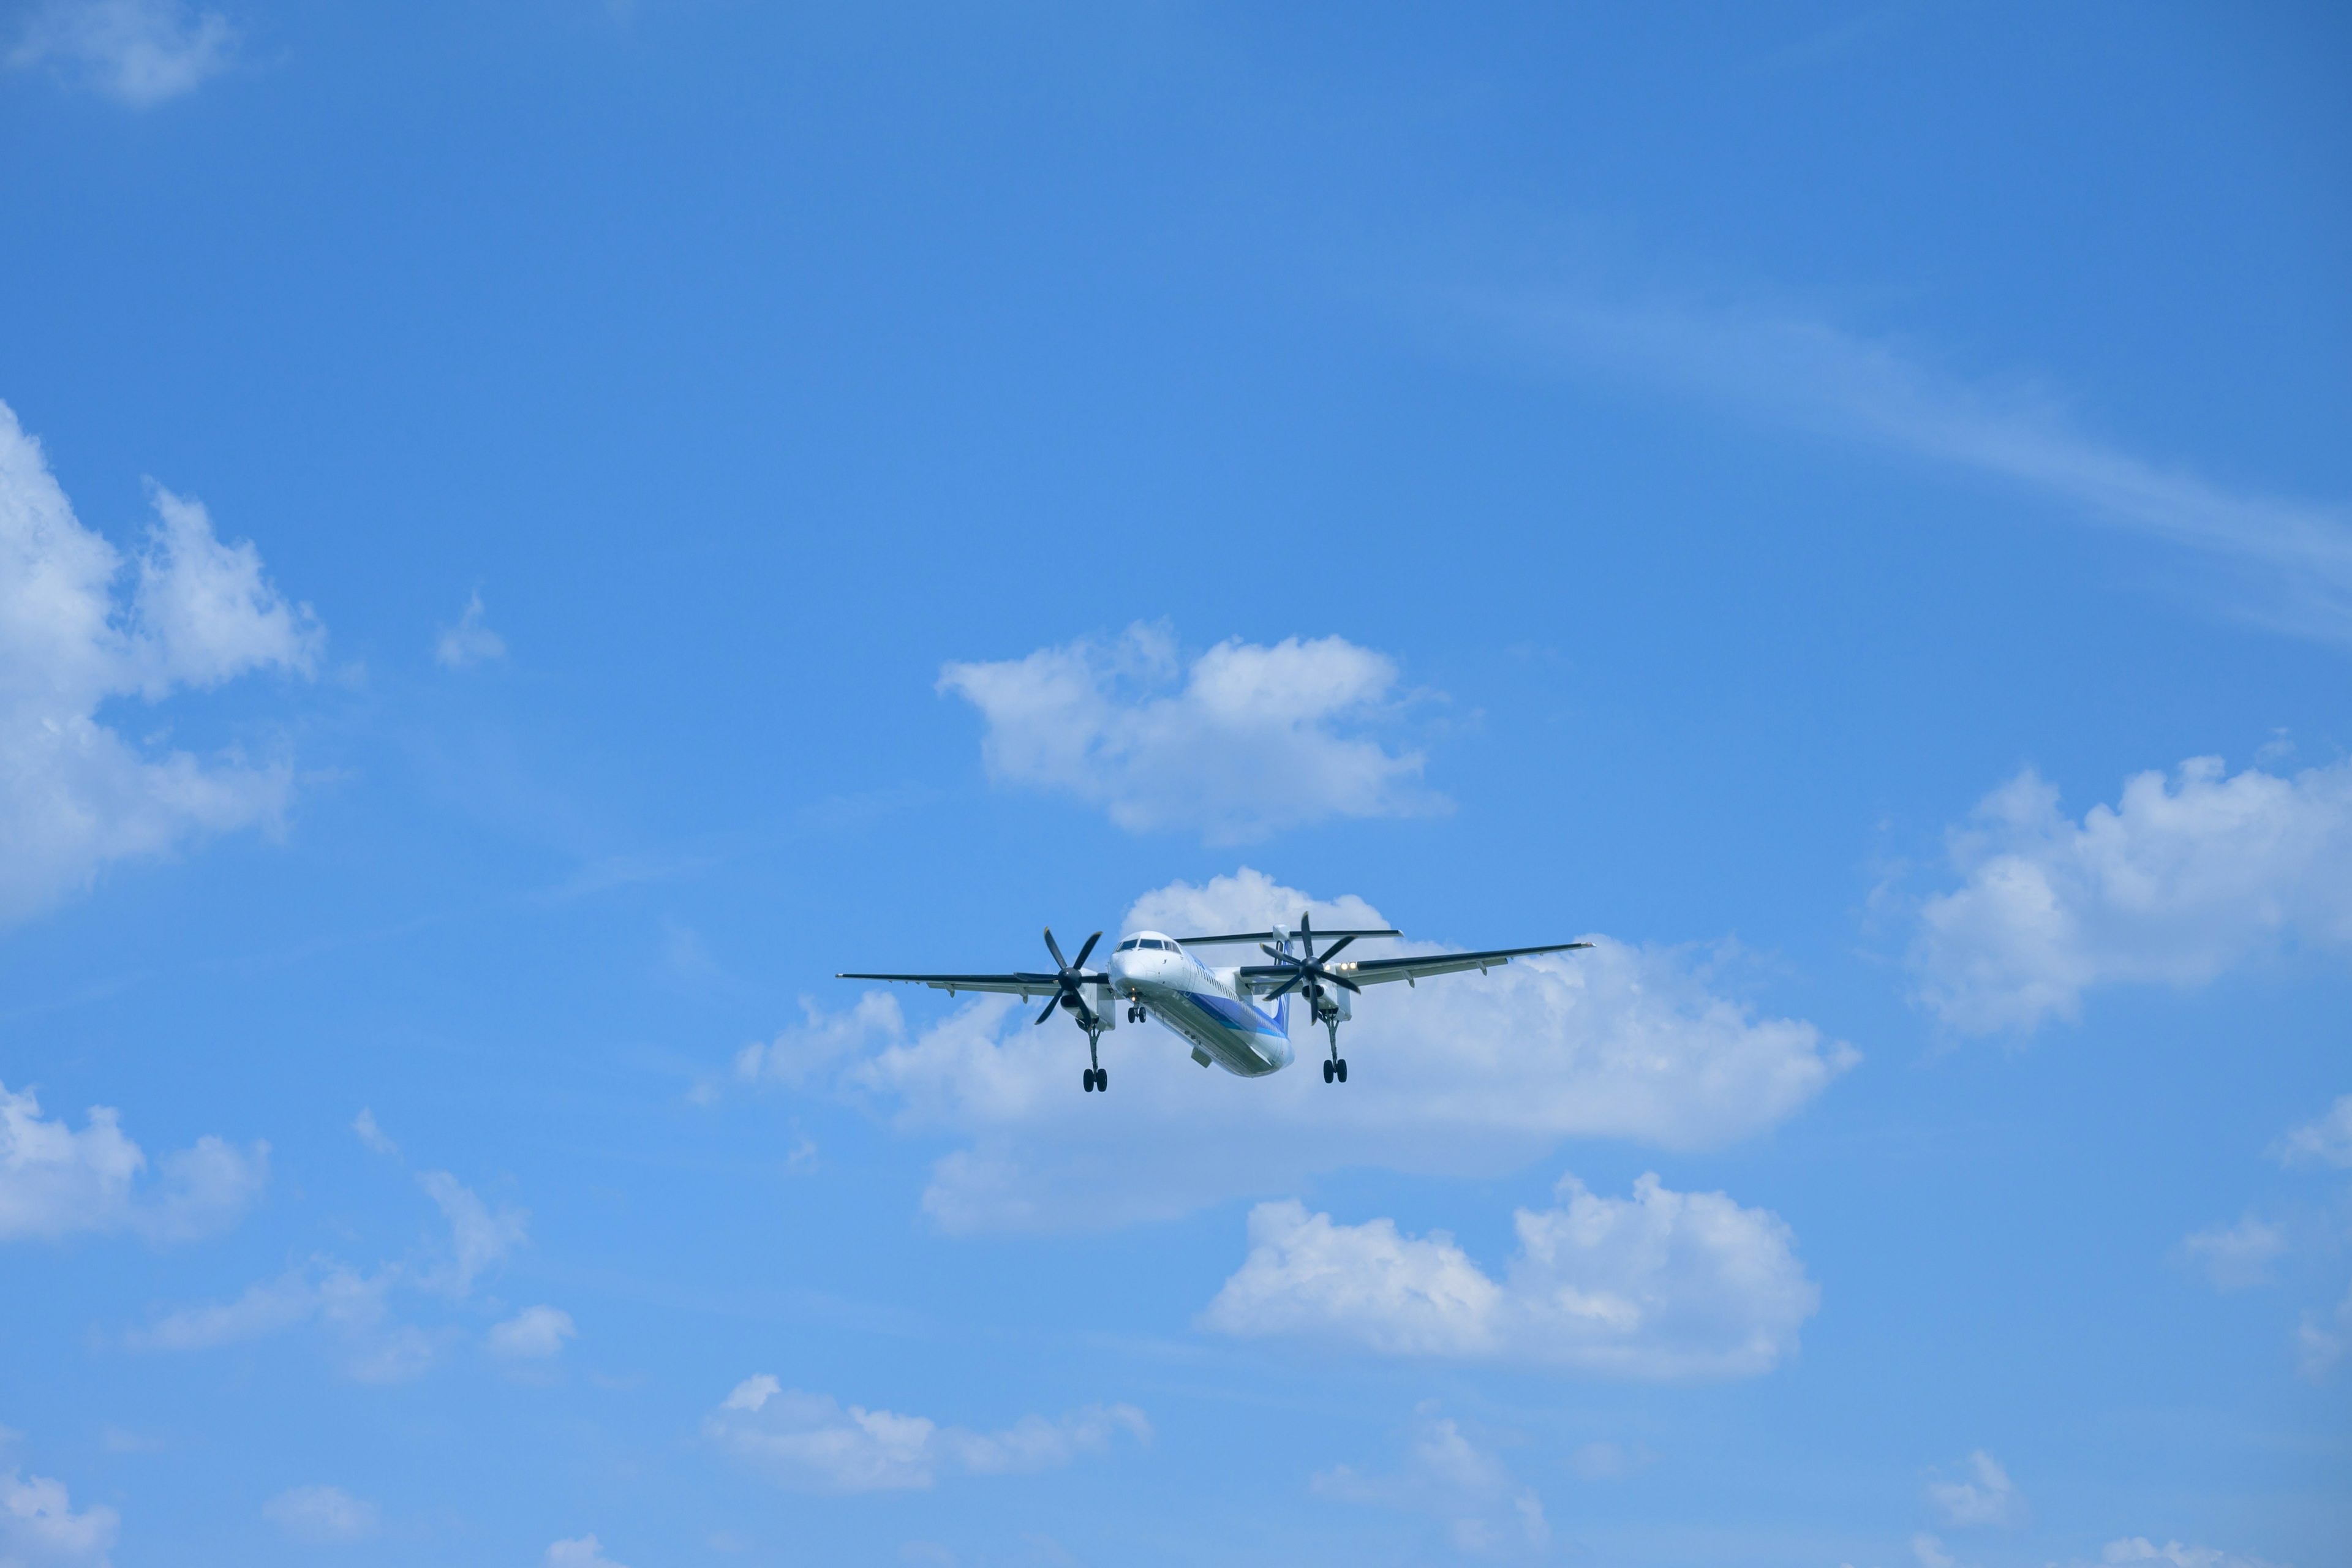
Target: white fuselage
[1208, 1008]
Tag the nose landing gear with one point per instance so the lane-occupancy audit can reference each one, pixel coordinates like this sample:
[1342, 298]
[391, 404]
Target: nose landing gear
[1097, 1077]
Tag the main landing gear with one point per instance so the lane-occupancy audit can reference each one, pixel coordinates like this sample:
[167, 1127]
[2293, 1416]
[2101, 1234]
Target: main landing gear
[1335, 1068]
[1097, 1077]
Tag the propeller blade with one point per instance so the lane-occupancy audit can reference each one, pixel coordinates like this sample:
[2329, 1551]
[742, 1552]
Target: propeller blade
[1307, 935]
[1081, 960]
[1333, 951]
[1049, 1009]
[1055, 949]
[1350, 984]
[1278, 955]
[1295, 977]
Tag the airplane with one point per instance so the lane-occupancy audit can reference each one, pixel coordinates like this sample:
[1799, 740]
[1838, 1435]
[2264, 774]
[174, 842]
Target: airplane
[1216, 1011]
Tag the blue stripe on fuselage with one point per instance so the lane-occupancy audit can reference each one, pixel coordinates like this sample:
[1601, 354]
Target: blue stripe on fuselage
[1230, 1013]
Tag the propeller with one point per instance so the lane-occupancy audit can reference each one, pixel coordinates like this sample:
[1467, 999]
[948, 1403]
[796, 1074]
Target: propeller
[1309, 970]
[1067, 980]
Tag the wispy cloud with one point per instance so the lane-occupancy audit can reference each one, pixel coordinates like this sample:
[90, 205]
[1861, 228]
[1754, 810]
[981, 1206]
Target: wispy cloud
[1447, 1475]
[138, 52]
[376, 1345]
[810, 1442]
[469, 642]
[2293, 558]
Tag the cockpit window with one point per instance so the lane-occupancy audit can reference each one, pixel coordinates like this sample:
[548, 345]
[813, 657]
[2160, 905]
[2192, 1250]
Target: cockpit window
[1130, 941]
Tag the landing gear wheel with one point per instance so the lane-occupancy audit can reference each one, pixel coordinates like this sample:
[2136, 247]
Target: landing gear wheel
[1342, 1066]
[1102, 1079]
[1326, 1070]
[1090, 1080]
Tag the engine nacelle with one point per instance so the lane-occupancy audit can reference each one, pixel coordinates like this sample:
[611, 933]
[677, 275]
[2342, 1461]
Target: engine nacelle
[1107, 1005]
[1332, 1006]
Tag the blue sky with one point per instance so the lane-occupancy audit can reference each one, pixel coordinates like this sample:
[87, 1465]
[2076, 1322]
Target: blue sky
[532, 535]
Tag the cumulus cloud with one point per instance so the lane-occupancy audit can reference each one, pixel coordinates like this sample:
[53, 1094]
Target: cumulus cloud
[320, 1516]
[2289, 563]
[355, 1306]
[1449, 1477]
[2327, 1142]
[1986, 1496]
[138, 52]
[809, 1441]
[55, 1182]
[1660, 1285]
[535, 1333]
[1245, 741]
[38, 1528]
[75, 795]
[2236, 1256]
[1468, 1075]
[2182, 880]
[586, 1551]
[469, 642]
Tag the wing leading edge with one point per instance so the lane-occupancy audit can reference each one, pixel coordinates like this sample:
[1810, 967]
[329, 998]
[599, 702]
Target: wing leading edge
[1022, 984]
[1373, 971]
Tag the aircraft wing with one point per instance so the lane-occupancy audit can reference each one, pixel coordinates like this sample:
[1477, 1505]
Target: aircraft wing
[1022, 984]
[1373, 971]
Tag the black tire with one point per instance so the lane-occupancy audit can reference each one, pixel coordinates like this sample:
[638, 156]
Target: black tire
[1088, 1080]
[1326, 1070]
[1343, 1069]
[1102, 1079]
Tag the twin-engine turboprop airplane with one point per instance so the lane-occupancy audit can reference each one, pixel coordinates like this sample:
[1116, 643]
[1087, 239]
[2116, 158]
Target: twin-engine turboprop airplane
[1216, 1011]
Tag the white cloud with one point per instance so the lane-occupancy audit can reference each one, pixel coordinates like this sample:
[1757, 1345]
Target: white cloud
[2180, 881]
[2327, 1142]
[535, 1333]
[1660, 1285]
[2320, 1342]
[2291, 561]
[1465, 1074]
[1986, 1497]
[2236, 1256]
[1447, 1475]
[469, 642]
[479, 1236]
[1610, 1461]
[38, 1528]
[320, 1516]
[2139, 1549]
[585, 1552]
[138, 52]
[373, 1136]
[1930, 1552]
[55, 1182]
[1243, 742]
[355, 1306]
[811, 1443]
[75, 797]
